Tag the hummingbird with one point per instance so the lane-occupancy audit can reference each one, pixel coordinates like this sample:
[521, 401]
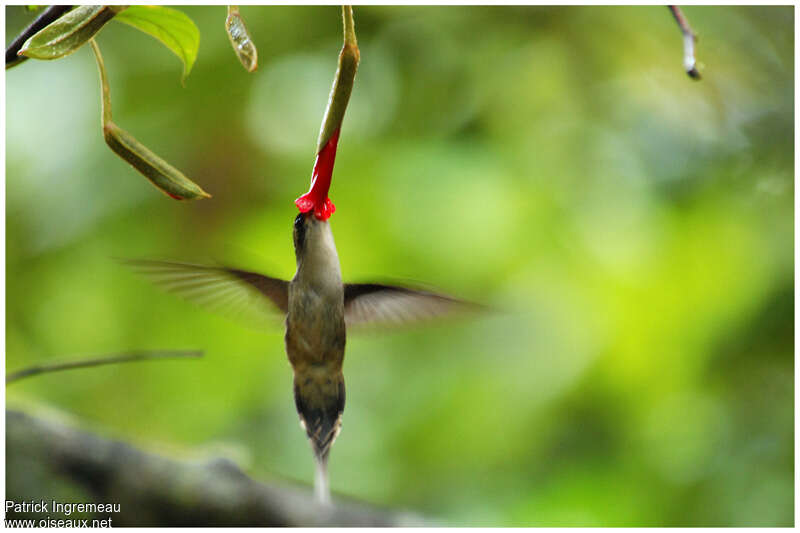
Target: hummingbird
[319, 310]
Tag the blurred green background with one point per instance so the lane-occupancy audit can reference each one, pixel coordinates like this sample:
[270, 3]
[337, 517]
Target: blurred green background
[635, 226]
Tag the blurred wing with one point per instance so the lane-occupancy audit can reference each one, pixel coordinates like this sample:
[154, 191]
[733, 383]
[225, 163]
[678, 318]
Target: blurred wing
[371, 303]
[236, 293]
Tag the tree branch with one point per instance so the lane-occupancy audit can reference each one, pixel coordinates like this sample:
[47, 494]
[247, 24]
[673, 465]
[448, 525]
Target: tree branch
[50, 461]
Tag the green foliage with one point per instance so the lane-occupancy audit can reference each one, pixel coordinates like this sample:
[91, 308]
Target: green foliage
[171, 27]
[174, 29]
[634, 226]
[74, 29]
[69, 32]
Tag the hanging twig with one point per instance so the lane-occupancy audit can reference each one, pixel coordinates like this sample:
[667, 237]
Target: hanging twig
[103, 360]
[49, 15]
[164, 176]
[689, 38]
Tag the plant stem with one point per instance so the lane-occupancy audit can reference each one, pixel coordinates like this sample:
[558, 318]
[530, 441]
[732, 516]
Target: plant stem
[98, 361]
[349, 26]
[105, 101]
[342, 82]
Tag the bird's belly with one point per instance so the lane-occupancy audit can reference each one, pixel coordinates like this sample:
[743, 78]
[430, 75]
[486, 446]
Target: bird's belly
[315, 330]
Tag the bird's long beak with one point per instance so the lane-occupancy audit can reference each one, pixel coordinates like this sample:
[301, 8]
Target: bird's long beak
[317, 196]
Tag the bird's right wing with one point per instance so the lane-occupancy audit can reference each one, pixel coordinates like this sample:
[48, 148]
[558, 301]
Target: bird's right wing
[391, 305]
[232, 292]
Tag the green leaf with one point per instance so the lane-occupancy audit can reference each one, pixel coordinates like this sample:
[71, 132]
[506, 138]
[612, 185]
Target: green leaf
[170, 26]
[69, 32]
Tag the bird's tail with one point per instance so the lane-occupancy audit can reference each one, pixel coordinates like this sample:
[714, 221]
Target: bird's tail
[322, 489]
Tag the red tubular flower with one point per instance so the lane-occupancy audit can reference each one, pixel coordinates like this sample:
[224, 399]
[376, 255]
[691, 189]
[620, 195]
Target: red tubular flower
[317, 196]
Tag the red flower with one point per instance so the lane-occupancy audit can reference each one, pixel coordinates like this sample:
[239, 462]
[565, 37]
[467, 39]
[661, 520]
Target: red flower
[317, 196]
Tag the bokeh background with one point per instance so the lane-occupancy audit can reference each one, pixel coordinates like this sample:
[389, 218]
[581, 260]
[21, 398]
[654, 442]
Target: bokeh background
[635, 227]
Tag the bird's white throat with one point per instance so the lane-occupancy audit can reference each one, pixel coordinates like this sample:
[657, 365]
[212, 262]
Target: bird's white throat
[319, 263]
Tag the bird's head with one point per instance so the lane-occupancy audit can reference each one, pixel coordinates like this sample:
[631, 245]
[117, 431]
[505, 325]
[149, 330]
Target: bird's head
[319, 397]
[314, 246]
[304, 224]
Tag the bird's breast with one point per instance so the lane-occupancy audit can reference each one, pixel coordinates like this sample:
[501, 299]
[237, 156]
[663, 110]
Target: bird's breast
[315, 330]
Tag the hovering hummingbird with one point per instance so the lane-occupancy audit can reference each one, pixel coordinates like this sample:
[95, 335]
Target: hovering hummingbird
[319, 310]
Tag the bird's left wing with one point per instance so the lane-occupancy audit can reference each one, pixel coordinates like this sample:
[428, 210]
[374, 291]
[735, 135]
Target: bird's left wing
[233, 292]
[373, 303]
